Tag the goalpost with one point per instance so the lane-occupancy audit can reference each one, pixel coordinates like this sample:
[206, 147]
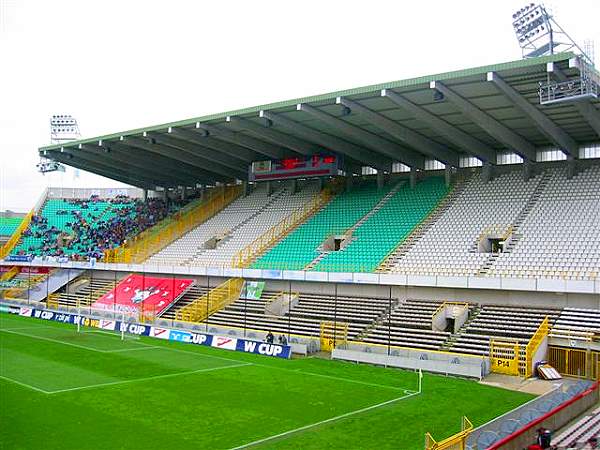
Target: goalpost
[108, 325]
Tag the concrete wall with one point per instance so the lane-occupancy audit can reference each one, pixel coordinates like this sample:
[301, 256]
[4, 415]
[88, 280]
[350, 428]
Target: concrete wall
[482, 296]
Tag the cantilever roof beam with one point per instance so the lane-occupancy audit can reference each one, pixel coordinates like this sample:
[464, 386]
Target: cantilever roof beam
[102, 169]
[333, 143]
[265, 132]
[366, 138]
[200, 165]
[135, 165]
[204, 139]
[545, 125]
[493, 127]
[585, 107]
[264, 148]
[217, 158]
[458, 137]
[409, 137]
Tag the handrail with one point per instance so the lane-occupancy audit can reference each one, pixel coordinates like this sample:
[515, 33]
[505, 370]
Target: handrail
[16, 236]
[211, 302]
[147, 244]
[452, 441]
[567, 333]
[9, 275]
[534, 343]
[248, 254]
[381, 267]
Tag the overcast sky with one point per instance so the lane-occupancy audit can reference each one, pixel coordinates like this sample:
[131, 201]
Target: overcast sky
[118, 65]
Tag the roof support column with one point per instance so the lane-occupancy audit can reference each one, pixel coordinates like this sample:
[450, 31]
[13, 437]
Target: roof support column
[294, 186]
[380, 180]
[571, 166]
[413, 177]
[487, 172]
[448, 175]
[349, 181]
[528, 170]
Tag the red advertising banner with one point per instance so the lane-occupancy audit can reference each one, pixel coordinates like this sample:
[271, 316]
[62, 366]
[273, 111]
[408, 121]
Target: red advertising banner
[25, 269]
[138, 293]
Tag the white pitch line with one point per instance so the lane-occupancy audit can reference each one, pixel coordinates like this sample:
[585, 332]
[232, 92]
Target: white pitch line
[349, 380]
[323, 422]
[26, 328]
[85, 347]
[54, 340]
[20, 383]
[157, 377]
[122, 350]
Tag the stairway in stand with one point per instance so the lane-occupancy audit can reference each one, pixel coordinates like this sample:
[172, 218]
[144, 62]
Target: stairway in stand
[515, 235]
[386, 198]
[422, 228]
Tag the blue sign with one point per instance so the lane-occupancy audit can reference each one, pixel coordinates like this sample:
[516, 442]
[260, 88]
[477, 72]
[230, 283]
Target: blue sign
[241, 345]
[19, 258]
[263, 348]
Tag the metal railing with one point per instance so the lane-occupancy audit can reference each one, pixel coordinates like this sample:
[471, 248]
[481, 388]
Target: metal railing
[16, 236]
[532, 346]
[455, 442]
[158, 237]
[211, 302]
[248, 254]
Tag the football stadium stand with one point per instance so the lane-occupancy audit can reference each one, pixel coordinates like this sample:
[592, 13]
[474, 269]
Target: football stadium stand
[559, 233]
[216, 241]
[86, 227]
[580, 434]
[301, 248]
[8, 225]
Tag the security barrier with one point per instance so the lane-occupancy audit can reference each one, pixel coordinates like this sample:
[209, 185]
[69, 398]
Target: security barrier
[9, 275]
[211, 302]
[533, 345]
[158, 237]
[333, 334]
[249, 253]
[455, 442]
[575, 362]
[505, 356]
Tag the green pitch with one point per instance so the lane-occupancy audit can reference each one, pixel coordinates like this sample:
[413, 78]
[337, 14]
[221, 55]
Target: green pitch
[60, 389]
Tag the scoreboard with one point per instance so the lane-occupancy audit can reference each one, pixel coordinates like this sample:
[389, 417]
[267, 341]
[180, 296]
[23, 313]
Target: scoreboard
[299, 167]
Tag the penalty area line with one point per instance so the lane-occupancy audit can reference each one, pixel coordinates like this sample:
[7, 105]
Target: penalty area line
[323, 422]
[20, 383]
[156, 377]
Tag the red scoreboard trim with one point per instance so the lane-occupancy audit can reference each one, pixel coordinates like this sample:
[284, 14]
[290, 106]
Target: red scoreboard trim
[292, 174]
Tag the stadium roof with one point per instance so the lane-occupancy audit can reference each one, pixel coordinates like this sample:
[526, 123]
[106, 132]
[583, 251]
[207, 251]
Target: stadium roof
[476, 112]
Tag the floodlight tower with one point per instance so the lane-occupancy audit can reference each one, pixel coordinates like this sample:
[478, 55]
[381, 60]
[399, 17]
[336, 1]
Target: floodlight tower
[63, 128]
[539, 34]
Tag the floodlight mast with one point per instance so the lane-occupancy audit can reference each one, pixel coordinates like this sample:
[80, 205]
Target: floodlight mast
[63, 128]
[539, 34]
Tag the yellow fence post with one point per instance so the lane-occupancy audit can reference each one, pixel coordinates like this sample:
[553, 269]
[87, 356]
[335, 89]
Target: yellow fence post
[455, 442]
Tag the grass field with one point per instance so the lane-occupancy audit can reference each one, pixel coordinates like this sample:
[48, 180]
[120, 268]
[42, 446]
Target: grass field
[60, 389]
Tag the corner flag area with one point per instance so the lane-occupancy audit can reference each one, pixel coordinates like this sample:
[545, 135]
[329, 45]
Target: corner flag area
[90, 390]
